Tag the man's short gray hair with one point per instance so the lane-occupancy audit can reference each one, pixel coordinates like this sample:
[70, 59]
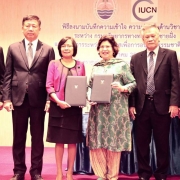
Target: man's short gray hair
[149, 25]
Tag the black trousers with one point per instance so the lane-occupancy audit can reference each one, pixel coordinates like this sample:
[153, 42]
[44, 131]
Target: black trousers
[148, 122]
[22, 115]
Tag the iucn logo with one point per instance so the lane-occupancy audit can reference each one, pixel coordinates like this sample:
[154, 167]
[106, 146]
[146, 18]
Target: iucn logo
[144, 10]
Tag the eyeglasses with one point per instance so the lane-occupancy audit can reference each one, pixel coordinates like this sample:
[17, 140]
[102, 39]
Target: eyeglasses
[67, 46]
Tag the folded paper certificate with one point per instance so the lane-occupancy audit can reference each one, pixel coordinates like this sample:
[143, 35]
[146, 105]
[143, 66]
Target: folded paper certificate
[75, 90]
[101, 88]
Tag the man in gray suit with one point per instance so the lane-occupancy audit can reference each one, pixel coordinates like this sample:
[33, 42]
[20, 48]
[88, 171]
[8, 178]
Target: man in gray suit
[24, 93]
[2, 68]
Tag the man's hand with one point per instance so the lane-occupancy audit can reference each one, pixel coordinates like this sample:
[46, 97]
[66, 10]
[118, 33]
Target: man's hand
[1, 105]
[47, 106]
[174, 111]
[179, 113]
[8, 106]
[132, 112]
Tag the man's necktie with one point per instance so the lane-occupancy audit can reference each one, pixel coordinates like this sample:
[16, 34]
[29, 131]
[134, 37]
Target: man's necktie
[150, 77]
[30, 54]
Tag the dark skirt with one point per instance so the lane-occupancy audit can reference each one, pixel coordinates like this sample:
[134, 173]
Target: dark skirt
[65, 125]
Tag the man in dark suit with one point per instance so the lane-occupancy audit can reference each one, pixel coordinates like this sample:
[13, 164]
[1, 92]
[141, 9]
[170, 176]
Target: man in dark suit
[2, 68]
[154, 102]
[24, 93]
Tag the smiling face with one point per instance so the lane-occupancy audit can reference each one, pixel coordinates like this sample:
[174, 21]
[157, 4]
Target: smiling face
[106, 50]
[31, 29]
[151, 38]
[67, 49]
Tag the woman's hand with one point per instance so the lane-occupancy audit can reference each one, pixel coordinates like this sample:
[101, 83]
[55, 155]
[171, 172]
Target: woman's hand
[118, 86]
[81, 106]
[92, 103]
[63, 104]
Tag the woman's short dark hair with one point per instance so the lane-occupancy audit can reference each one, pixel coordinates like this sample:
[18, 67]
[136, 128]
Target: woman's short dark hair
[63, 40]
[31, 17]
[112, 41]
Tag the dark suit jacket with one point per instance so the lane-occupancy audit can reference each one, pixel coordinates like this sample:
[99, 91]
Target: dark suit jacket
[18, 75]
[166, 79]
[2, 69]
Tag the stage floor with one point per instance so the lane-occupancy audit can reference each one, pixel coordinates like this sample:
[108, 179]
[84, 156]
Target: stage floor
[49, 166]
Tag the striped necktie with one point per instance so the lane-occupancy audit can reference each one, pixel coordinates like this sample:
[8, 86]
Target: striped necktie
[30, 54]
[150, 77]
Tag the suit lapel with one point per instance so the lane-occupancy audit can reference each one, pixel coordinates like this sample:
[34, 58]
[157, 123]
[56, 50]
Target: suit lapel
[143, 61]
[160, 56]
[23, 52]
[39, 49]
